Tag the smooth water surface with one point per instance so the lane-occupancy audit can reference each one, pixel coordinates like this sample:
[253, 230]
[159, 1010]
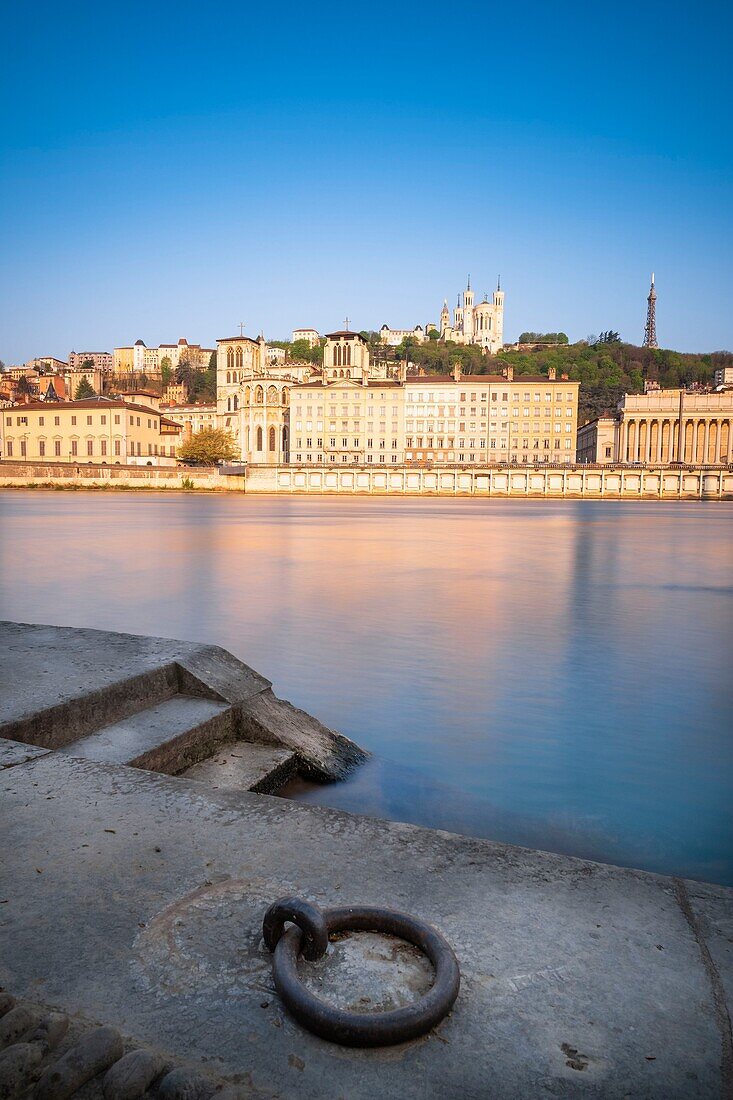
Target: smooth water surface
[554, 674]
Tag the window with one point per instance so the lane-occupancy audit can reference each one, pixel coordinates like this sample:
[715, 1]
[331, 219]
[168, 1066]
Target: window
[41, 421]
[271, 439]
[89, 420]
[103, 446]
[90, 446]
[259, 434]
[117, 418]
[104, 420]
[608, 451]
[10, 448]
[42, 448]
[73, 420]
[57, 447]
[73, 447]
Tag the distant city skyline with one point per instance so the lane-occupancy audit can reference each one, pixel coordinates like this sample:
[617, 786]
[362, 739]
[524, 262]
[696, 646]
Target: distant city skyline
[176, 171]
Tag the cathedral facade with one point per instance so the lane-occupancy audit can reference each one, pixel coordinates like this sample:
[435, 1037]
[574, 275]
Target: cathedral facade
[481, 324]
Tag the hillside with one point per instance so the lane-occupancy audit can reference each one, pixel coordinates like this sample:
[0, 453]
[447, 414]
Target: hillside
[605, 371]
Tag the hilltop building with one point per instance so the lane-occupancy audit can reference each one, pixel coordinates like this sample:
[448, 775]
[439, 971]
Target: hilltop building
[139, 359]
[100, 360]
[481, 324]
[309, 334]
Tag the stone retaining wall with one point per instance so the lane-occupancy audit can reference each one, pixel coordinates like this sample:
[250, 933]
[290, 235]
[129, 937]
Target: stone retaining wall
[606, 482]
[82, 476]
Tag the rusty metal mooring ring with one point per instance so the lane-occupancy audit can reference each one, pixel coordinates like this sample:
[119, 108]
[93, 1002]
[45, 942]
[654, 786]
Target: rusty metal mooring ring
[356, 1029]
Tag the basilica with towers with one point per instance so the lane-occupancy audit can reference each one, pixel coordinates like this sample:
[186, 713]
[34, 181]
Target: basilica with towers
[481, 324]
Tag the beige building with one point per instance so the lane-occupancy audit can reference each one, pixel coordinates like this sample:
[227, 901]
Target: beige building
[309, 334]
[253, 398]
[193, 418]
[723, 376]
[394, 336]
[481, 324]
[95, 431]
[596, 441]
[676, 426]
[141, 359]
[663, 426]
[445, 420]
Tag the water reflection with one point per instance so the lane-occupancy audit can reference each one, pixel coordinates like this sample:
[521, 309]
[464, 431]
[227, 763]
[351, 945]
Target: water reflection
[552, 674]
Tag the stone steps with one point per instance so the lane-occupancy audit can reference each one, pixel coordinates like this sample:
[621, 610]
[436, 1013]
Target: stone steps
[244, 766]
[167, 737]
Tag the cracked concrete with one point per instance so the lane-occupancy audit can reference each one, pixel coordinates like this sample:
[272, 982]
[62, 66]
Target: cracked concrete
[137, 899]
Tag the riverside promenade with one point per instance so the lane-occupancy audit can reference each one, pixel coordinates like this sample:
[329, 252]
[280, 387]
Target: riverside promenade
[134, 897]
[544, 481]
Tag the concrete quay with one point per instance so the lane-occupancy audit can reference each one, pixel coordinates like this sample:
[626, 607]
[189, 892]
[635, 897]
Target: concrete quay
[546, 482]
[518, 482]
[134, 899]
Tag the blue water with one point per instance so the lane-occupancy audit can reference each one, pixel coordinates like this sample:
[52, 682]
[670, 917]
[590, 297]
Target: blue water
[550, 674]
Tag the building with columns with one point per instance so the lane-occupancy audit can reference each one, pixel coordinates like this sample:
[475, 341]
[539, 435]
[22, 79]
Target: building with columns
[663, 426]
[675, 426]
[481, 323]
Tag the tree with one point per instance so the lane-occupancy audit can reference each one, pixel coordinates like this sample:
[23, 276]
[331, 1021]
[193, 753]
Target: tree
[166, 370]
[87, 364]
[208, 447]
[84, 390]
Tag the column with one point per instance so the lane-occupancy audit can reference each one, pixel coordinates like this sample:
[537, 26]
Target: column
[622, 436]
[648, 441]
[658, 448]
[706, 442]
[716, 456]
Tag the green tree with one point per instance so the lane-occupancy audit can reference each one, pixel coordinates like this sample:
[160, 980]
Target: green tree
[166, 370]
[84, 390]
[208, 447]
[87, 364]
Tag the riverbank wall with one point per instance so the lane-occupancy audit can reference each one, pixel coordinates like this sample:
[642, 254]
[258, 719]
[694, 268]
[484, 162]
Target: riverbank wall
[70, 475]
[547, 482]
[541, 482]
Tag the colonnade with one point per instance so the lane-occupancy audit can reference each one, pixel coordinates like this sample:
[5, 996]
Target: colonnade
[706, 440]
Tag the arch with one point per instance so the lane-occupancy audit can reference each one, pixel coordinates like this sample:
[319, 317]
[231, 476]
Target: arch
[235, 403]
[259, 395]
[699, 453]
[239, 357]
[271, 440]
[284, 396]
[259, 439]
[247, 395]
[337, 355]
[348, 374]
[272, 395]
[285, 442]
[688, 442]
[230, 357]
[229, 404]
[347, 357]
[229, 378]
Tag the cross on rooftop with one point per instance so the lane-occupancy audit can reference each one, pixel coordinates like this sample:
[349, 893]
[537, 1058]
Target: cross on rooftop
[241, 328]
[346, 324]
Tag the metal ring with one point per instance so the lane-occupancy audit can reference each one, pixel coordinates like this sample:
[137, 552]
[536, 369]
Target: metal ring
[309, 919]
[365, 1029]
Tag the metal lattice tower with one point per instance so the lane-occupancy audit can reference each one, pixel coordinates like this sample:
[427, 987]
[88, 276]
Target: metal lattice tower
[650, 332]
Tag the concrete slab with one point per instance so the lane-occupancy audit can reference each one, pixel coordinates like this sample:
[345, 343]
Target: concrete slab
[244, 766]
[15, 752]
[138, 899]
[59, 684]
[142, 735]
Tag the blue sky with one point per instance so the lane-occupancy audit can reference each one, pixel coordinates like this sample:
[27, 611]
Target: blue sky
[171, 170]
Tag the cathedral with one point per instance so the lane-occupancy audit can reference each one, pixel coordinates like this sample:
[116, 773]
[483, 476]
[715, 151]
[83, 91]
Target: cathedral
[481, 324]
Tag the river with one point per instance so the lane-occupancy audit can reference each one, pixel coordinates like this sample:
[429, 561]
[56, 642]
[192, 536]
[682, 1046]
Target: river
[552, 674]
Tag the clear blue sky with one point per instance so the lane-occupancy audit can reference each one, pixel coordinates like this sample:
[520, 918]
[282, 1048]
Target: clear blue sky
[172, 169]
